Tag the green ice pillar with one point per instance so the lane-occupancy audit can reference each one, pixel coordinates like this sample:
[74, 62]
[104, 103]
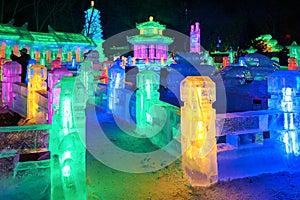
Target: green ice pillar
[146, 96]
[85, 73]
[67, 141]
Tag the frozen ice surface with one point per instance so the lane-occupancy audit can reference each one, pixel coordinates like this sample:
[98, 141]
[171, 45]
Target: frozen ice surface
[252, 160]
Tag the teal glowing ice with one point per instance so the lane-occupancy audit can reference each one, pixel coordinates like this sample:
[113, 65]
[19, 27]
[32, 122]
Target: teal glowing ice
[67, 141]
[294, 51]
[146, 96]
[92, 27]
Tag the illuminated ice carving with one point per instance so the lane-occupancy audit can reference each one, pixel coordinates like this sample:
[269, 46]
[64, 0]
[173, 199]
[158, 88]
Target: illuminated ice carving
[284, 88]
[294, 51]
[67, 141]
[53, 77]
[11, 73]
[195, 38]
[56, 63]
[225, 62]
[292, 63]
[86, 75]
[146, 96]
[92, 27]
[198, 142]
[116, 75]
[37, 81]
[30, 62]
[150, 43]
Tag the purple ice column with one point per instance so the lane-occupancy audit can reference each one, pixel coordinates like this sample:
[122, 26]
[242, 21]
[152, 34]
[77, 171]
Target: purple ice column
[11, 73]
[195, 38]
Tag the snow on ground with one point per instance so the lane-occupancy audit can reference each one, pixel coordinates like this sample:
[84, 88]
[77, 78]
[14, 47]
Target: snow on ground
[169, 182]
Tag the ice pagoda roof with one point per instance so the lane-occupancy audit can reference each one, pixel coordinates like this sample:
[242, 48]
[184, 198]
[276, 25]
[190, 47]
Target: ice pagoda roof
[12, 34]
[294, 45]
[150, 24]
[150, 33]
[153, 39]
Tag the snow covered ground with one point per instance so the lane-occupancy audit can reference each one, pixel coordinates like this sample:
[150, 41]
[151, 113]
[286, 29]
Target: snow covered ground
[106, 182]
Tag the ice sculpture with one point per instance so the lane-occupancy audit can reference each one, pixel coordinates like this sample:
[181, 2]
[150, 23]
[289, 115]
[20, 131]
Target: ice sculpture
[104, 73]
[195, 38]
[53, 77]
[30, 62]
[150, 44]
[225, 62]
[56, 63]
[292, 63]
[11, 73]
[198, 142]
[67, 141]
[37, 81]
[284, 88]
[86, 76]
[251, 50]
[231, 56]
[116, 76]
[2, 61]
[294, 51]
[146, 96]
[92, 27]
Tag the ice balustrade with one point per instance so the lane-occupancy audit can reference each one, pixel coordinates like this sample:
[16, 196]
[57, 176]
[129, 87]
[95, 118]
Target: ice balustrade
[20, 140]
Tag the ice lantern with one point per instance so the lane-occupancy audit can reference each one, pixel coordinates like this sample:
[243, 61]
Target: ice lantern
[198, 142]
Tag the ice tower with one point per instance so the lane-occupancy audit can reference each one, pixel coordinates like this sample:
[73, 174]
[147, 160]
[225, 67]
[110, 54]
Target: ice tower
[195, 38]
[92, 27]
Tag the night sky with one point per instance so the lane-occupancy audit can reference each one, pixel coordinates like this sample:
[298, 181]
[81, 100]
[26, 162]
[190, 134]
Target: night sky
[235, 22]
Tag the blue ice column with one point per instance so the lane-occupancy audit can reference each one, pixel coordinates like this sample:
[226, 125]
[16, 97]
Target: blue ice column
[30, 62]
[284, 90]
[116, 76]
